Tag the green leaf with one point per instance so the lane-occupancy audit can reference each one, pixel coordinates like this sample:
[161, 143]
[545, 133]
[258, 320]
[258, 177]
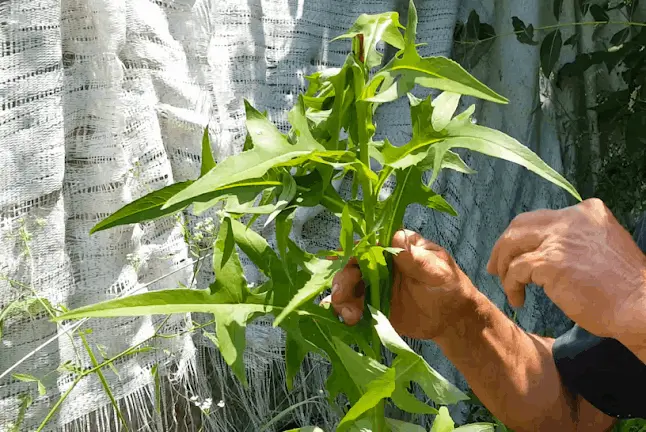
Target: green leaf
[462, 133]
[478, 427]
[229, 275]
[378, 389]
[346, 238]
[400, 426]
[257, 249]
[443, 421]
[412, 367]
[409, 190]
[550, 51]
[373, 28]
[235, 194]
[620, 37]
[30, 378]
[440, 73]
[270, 148]
[287, 194]
[146, 208]
[524, 34]
[321, 279]
[295, 353]
[284, 223]
[557, 8]
[208, 163]
[572, 40]
[444, 107]
[598, 13]
[171, 301]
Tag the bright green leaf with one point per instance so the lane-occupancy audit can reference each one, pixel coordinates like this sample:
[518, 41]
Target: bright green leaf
[378, 389]
[462, 133]
[208, 163]
[146, 208]
[409, 190]
[270, 148]
[346, 239]
[321, 279]
[444, 107]
[400, 426]
[443, 421]
[374, 28]
[410, 366]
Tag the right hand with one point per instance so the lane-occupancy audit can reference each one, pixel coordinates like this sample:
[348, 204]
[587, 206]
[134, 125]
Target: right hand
[428, 287]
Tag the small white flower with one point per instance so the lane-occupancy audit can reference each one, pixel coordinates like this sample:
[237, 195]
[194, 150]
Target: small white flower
[221, 404]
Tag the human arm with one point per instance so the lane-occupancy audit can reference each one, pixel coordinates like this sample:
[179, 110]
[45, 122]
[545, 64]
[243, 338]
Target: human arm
[587, 264]
[512, 372]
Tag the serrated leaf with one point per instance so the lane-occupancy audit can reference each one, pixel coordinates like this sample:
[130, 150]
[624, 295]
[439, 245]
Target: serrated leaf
[443, 421]
[270, 148]
[410, 366]
[171, 301]
[208, 163]
[146, 208]
[30, 378]
[294, 355]
[242, 192]
[321, 279]
[378, 389]
[409, 190]
[550, 51]
[229, 275]
[440, 73]
[462, 133]
[524, 33]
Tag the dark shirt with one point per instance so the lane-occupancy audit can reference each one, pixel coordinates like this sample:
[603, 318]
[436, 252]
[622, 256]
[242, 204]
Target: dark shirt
[602, 370]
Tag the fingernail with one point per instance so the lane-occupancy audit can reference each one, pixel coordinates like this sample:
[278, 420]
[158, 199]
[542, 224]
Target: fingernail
[335, 288]
[340, 318]
[345, 313]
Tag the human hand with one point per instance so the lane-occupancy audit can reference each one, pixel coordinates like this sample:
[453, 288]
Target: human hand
[428, 287]
[586, 262]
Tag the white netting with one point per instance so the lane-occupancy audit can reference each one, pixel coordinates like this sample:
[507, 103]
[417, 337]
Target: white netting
[104, 101]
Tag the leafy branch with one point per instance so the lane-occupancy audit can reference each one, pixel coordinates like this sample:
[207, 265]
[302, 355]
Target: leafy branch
[278, 173]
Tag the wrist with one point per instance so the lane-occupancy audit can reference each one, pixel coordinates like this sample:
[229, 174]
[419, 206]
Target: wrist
[471, 314]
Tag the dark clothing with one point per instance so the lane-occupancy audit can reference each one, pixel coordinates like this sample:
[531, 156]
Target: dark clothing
[602, 370]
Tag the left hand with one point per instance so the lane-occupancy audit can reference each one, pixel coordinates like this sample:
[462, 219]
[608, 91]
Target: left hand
[586, 262]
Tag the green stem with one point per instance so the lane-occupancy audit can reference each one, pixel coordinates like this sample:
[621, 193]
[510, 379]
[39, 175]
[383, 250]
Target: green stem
[369, 204]
[551, 27]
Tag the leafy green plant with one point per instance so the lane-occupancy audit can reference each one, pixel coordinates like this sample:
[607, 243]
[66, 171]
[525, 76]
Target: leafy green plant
[278, 173]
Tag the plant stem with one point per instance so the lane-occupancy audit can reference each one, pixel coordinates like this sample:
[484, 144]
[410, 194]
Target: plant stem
[369, 204]
[551, 27]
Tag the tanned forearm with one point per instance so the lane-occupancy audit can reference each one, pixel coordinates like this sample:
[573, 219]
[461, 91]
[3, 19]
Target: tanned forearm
[512, 372]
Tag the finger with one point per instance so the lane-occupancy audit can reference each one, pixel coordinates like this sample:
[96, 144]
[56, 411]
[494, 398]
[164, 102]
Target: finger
[525, 234]
[520, 273]
[427, 266]
[404, 239]
[344, 284]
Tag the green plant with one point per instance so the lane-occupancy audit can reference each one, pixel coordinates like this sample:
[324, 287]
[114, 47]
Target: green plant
[278, 173]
